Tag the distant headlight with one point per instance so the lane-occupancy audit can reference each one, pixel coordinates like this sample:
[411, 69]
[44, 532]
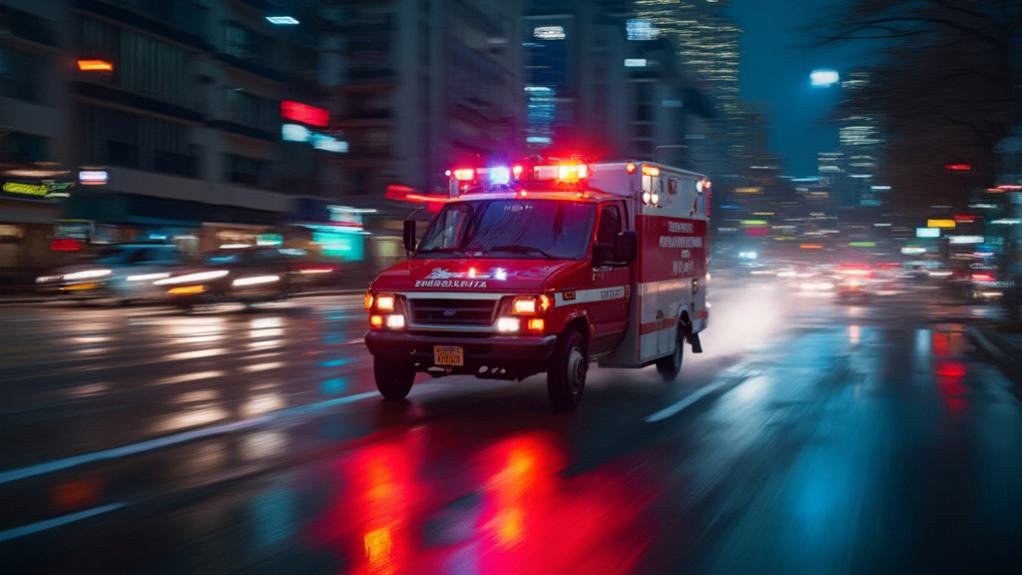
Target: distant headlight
[255, 280]
[46, 279]
[87, 274]
[192, 278]
[147, 277]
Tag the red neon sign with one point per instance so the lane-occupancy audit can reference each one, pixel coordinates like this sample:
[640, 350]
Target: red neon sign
[64, 245]
[958, 167]
[304, 113]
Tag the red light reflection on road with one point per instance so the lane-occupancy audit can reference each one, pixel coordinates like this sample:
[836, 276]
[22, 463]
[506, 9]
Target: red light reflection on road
[373, 519]
[74, 494]
[949, 380]
[941, 344]
[394, 514]
[518, 479]
[535, 520]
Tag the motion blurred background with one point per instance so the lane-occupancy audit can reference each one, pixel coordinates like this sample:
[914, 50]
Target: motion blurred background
[867, 130]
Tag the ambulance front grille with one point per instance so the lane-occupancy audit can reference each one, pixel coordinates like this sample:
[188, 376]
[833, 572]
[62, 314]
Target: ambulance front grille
[452, 312]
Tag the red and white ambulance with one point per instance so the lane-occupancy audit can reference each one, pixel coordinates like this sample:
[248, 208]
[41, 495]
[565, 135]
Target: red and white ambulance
[546, 267]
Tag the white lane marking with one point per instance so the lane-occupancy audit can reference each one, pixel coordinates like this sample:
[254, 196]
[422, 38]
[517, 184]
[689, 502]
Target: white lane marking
[169, 440]
[693, 398]
[47, 524]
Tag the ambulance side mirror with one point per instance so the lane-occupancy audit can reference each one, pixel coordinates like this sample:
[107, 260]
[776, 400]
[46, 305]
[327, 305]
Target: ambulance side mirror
[626, 247]
[409, 235]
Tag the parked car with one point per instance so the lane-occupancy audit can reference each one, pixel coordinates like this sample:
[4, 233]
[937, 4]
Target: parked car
[123, 273]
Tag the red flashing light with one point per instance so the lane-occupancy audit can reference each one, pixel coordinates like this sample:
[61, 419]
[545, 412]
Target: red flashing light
[572, 172]
[398, 192]
[630, 167]
[958, 167]
[65, 245]
[304, 113]
[982, 277]
[965, 218]
[464, 174]
[1006, 187]
[403, 193]
[95, 65]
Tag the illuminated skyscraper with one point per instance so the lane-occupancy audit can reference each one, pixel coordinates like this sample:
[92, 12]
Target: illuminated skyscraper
[708, 46]
[862, 143]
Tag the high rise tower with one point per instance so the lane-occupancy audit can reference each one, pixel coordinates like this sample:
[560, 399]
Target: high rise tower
[707, 41]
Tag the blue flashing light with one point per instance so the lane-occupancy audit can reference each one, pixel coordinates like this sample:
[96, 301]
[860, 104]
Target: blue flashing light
[500, 175]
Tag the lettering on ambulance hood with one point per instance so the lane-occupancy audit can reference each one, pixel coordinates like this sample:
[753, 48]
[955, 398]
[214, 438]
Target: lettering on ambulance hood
[444, 278]
[470, 284]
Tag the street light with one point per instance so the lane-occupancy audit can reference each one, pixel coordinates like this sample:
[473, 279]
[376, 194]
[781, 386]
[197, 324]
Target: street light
[824, 78]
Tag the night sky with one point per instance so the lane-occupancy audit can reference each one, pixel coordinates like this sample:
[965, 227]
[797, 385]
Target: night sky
[775, 77]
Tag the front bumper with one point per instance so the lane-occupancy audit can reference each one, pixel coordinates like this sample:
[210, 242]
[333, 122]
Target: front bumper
[517, 354]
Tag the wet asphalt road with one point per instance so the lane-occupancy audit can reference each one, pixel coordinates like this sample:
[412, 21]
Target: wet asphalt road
[811, 437]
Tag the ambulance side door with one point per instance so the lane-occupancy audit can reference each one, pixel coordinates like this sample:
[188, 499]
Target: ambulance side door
[609, 307]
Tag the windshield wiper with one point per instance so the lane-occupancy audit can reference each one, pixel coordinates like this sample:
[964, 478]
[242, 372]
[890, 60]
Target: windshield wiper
[524, 250]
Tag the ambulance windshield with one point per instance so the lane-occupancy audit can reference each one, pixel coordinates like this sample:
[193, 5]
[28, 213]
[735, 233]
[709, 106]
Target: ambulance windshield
[550, 229]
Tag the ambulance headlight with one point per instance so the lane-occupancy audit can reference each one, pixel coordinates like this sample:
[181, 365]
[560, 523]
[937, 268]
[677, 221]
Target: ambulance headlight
[509, 324]
[385, 302]
[655, 199]
[646, 197]
[531, 305]
[395, 321]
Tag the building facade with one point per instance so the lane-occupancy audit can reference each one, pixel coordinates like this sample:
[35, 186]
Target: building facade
[707, 41]
[420, 85]
[177, 105]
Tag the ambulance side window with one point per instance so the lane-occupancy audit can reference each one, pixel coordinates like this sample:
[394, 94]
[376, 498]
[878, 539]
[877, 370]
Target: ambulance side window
[610, 225]
[606, 234]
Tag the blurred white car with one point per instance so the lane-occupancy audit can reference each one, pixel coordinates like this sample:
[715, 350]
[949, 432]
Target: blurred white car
[123, 273]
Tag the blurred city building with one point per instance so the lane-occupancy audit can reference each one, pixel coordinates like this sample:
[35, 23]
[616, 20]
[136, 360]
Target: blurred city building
[861, 145]
[194, 121]
[668, 116]
[597, 85]
[421, 85]
[707, 41]
[575, 77]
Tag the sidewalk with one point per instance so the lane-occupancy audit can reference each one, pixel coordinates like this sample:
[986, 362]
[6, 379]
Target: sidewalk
[1003, 345]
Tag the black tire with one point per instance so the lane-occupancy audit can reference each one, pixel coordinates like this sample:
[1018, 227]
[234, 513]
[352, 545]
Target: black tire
[393, 378]
[670, 366]
[566, 378]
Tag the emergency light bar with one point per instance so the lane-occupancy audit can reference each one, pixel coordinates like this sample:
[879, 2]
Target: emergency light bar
[502, 175]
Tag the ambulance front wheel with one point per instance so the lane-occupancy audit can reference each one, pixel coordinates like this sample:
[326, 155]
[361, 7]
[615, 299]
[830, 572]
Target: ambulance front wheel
[670, 365]
[393, 378]
[566, 378]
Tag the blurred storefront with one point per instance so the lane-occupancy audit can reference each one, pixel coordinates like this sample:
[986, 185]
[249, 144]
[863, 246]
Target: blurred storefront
[29, 207]
[193, 226]
[364, 238]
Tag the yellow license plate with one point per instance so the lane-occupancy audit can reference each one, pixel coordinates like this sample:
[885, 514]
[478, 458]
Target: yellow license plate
[186, 290]
[449, 355]
[81, 287]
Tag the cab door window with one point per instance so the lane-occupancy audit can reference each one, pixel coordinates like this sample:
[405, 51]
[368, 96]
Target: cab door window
[606, 234]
